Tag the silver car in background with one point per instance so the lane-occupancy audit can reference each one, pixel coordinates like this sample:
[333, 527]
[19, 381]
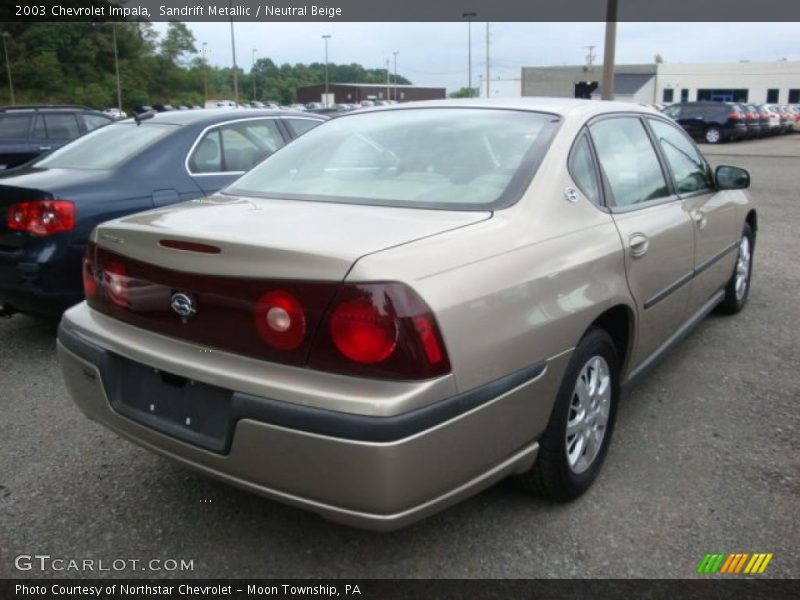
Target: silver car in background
[411, 303]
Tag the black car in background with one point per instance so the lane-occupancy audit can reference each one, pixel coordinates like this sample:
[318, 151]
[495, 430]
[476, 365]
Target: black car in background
[49, 206]
[711, 122]
[30, 130]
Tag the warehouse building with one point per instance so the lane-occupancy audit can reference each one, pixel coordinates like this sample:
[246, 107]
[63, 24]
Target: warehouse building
[773, 82]
[357, 92]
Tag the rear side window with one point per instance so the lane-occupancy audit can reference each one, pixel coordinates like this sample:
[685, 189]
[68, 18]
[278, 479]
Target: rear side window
[300, 126]
[235, 147]
[689, 168]
[581, 167]
[14, 127]
[94, 121]
[61, 126]
[628, 160]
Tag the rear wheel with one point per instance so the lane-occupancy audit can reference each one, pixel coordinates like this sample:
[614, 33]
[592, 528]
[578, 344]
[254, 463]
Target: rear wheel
[738, 288]
[713, 135]
[574, 445]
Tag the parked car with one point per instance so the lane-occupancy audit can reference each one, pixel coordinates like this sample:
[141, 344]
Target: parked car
[764, 120]
[752, 120]
[115, 113]
[143, 108]
[49, 207]
[787, 119]
[406, 305]
[163, 107]
[712, 122]
[794, 110]
[30, 130]
[773, 118]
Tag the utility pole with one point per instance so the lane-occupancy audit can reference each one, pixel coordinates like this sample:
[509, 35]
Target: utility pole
[205, 70]
[469, 16]
[388, 92]
[326, 37]
[253, 73]
[233, 52]
[590, 56]
[488, 83]
[608, 54]
[116, 65]
[395, 74]
[8, 67]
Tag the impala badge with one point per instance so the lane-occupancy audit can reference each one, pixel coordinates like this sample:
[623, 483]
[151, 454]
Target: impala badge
[183, 305]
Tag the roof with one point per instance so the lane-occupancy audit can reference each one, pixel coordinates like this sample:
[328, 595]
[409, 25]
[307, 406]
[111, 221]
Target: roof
[209, 116]
[628, 83]
[576, 107]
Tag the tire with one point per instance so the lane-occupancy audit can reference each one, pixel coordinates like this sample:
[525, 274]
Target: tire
[738, 288]
[713, 135]
[562, 471]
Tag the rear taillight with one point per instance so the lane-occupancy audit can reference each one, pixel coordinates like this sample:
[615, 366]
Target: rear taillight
[734, 115]
[41, 217]
[379, 330]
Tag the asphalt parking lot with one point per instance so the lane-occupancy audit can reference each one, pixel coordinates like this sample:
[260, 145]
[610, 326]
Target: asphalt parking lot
[705, 459]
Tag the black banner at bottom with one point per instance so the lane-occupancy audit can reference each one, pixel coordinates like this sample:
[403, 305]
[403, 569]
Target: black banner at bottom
[379, 589]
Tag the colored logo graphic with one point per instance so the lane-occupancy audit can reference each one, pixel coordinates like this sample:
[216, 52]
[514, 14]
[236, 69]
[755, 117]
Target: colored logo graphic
[739, 563]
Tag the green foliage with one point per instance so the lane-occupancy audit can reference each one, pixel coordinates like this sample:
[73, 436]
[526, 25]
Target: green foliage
[464, 92]
[74, 63]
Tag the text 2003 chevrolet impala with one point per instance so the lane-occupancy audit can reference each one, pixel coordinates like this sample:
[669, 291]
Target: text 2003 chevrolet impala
[408, 304]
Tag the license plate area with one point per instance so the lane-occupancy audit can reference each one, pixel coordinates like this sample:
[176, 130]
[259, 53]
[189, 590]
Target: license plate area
[188, 410]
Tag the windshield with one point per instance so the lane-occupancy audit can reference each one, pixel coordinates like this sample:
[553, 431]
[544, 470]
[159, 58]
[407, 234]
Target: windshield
[449, 158]
[106, 147]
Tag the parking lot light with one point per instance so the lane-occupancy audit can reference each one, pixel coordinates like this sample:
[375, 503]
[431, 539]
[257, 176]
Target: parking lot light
[469, 16]
[8, 67]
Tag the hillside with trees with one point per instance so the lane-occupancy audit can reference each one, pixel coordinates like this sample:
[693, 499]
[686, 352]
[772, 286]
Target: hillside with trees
[74, 63]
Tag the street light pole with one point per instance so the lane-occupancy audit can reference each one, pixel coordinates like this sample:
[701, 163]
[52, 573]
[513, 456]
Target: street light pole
[116, 65]
[253, 73]
[388, 89]
[205, 70]
[326, 37]
[8, 67]
[469, 16]
[395, 74]
[608, 53]
[233, 52]
[488, 93]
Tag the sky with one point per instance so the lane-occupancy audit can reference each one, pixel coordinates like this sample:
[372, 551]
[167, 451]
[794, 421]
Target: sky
[435, 54]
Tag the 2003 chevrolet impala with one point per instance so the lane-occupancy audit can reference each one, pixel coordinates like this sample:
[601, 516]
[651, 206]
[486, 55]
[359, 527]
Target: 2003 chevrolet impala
[410, 303]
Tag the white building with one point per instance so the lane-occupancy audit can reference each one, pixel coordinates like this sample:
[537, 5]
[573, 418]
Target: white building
[758, 82]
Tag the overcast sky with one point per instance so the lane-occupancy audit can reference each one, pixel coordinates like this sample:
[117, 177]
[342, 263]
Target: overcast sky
[435, 54]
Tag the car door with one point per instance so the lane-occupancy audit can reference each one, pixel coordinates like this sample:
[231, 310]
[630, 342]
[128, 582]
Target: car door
[714, 218]
[223, 152]
[15, 143]
[654, 227]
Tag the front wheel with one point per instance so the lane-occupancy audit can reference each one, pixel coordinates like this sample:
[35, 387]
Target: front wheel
[574, 445]
[738, 288]
[713, 135]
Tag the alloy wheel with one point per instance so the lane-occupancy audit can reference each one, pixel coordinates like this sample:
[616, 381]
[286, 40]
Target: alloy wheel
[588, 414]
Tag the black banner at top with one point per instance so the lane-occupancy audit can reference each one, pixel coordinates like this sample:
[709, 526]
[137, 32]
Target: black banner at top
[400, 10]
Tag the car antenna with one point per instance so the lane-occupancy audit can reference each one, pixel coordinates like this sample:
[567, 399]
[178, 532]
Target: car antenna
[139, 117]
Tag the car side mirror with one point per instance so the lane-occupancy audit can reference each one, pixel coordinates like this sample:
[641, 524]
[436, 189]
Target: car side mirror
[731, 178]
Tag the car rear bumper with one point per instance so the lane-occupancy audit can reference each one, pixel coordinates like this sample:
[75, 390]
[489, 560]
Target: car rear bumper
[42, 281]
[377, 472]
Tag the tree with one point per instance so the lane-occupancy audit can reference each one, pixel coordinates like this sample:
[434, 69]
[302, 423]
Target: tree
[177, 42]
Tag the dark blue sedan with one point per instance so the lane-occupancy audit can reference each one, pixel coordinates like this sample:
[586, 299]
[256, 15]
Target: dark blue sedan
[49, 207]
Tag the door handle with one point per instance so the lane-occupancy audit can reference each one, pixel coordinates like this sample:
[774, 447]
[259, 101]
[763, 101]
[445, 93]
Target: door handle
[44, 148]
[639, 244]
[700, 219]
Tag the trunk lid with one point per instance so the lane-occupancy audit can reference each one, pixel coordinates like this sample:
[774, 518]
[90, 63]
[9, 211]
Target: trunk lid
[278, 239]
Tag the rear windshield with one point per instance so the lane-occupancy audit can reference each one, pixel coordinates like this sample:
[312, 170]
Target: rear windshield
[105, 148]
[448, 158]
